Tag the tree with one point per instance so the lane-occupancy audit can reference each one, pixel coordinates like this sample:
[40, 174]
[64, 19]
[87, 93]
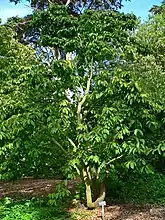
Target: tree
[150, 45]
[76, 6]
[151, 65]
[157, 9]
[26, 98]
[27, 34]
[106, 118]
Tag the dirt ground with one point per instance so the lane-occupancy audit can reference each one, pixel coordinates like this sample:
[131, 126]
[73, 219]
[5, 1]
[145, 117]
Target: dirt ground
[30, 187]
[125, 212]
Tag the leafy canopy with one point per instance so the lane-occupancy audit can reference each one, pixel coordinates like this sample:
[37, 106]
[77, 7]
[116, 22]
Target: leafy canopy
[26, 98]
[107, 116]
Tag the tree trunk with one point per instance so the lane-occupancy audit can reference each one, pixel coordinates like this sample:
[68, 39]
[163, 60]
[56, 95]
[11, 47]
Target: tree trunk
[90, 203]
[95, 188]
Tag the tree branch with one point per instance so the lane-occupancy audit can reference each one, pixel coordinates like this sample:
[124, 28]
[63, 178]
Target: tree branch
[98, 173]
[72, 143]
[80, 104]
[89, 174]
[116, 158]
[67, 3]
[50, 2]
[56, 142]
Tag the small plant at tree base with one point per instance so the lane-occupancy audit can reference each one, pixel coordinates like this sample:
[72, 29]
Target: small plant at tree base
[61, 196]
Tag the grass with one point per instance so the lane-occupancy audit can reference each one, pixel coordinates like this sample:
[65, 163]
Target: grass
[35, 209]
[38, 209]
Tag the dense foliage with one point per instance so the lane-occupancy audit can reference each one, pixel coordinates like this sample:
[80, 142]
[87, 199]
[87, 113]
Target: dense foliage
[137, 188]
[34, 209]
[25, 97]
[76, 7]
[87, 104]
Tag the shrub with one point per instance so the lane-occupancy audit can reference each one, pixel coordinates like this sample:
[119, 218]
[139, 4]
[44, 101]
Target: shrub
[138, 188]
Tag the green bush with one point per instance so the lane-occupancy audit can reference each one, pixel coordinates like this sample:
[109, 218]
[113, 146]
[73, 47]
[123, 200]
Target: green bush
[60, 198]
[137, 188]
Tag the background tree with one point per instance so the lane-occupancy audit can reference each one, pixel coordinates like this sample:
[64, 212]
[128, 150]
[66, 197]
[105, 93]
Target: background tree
[76, 6]
[157, 9]
[27, 99]
[28, 34]
[150, 45]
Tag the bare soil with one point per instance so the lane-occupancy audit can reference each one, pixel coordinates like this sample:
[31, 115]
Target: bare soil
[30, 187]
[124, 212]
